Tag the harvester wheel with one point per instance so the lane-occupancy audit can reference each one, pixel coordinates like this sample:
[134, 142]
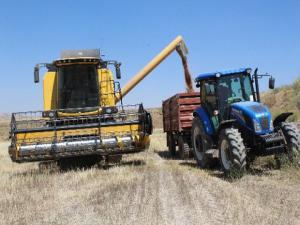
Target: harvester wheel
[201, 143]
[171, 144]
[184, 148]
[292, 137]
[232, 152]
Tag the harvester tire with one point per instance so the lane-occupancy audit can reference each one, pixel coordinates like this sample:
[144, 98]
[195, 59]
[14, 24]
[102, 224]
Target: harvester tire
[184, 148]
[232, 152]
[201, 142]
[292, 137]
[171, 144]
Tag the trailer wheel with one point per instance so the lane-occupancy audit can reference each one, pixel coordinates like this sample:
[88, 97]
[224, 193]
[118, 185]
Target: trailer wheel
[292, 138]
[184, 148]
[201, 143]
[232, 152]
[171, 144]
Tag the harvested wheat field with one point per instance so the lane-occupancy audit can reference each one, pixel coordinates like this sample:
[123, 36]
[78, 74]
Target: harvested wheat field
[146, 188]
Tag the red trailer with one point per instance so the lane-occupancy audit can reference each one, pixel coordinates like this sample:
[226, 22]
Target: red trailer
[177, 121]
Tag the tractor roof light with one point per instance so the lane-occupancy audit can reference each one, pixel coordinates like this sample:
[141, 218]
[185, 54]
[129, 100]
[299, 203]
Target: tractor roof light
[249, 71]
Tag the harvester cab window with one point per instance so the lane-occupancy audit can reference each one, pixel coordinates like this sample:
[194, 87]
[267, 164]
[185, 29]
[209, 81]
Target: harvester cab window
[77, 86]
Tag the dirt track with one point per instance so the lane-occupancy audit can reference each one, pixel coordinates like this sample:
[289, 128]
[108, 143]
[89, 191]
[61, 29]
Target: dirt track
[147, 188]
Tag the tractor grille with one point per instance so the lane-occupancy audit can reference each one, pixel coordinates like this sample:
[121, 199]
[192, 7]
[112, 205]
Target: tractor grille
[264, 121]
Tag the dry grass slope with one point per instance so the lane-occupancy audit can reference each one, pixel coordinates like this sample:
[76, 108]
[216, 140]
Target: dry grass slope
[146, 188]
[4, 126]
[284, 99]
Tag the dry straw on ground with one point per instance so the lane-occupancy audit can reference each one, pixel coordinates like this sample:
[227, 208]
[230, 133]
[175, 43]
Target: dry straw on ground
[147, 188]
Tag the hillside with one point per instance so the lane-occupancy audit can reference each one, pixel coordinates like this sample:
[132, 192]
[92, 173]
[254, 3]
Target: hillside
[4, 126]
[284, 99]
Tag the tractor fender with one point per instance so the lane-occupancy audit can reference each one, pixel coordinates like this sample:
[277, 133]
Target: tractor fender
[226, 124]
[205, 119]
[281, 118]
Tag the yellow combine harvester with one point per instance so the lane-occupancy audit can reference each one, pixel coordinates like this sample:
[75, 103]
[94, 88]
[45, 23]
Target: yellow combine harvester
[81, 116]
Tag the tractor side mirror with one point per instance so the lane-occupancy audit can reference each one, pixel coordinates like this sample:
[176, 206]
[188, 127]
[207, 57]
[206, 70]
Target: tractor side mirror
[271, 83]
[36, 74]
[118, 70]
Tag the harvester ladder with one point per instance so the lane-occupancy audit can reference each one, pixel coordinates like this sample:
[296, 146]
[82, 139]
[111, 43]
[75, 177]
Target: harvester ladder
[54, 147]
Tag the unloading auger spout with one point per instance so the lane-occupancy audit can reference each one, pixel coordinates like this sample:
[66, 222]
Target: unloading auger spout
[177, 44]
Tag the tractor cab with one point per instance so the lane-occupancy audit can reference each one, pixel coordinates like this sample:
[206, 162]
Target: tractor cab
[231, 95]
[221, 89]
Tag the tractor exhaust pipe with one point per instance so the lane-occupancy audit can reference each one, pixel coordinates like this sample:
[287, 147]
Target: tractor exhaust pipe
[256, 85]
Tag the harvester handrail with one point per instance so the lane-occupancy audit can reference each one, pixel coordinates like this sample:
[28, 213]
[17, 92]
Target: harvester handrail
[33, 120]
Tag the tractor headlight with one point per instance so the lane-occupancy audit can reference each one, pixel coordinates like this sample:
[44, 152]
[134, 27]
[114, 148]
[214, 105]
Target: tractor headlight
[271, 125]
[257, 126]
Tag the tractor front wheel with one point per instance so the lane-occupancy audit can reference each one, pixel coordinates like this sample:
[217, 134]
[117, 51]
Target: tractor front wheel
[232, 152]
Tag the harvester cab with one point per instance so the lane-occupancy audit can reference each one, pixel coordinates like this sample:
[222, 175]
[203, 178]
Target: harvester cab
[81, 81]
[232, 121]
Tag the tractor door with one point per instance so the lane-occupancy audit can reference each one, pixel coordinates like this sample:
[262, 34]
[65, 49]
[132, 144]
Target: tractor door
[209, 100]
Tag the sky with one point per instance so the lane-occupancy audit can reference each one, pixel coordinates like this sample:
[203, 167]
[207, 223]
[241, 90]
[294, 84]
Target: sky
[220, 35]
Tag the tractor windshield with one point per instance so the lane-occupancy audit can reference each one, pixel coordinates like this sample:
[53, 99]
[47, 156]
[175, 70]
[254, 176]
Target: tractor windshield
[235, 88]
[77, 86]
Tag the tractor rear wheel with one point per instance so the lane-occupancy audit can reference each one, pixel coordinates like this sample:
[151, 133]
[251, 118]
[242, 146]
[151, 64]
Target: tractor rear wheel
[184, 148]
[232, 152]
[292, 137]
[171, 144]
[201, 143]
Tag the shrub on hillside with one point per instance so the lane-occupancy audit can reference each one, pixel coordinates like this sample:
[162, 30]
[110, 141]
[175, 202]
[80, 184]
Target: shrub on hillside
[297, 101]
[296, 85]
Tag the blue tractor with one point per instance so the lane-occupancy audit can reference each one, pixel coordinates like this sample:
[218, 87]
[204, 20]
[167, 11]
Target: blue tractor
[232, 122]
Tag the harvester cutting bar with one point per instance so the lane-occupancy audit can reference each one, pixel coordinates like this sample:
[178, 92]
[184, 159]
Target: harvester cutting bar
[36, 137]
